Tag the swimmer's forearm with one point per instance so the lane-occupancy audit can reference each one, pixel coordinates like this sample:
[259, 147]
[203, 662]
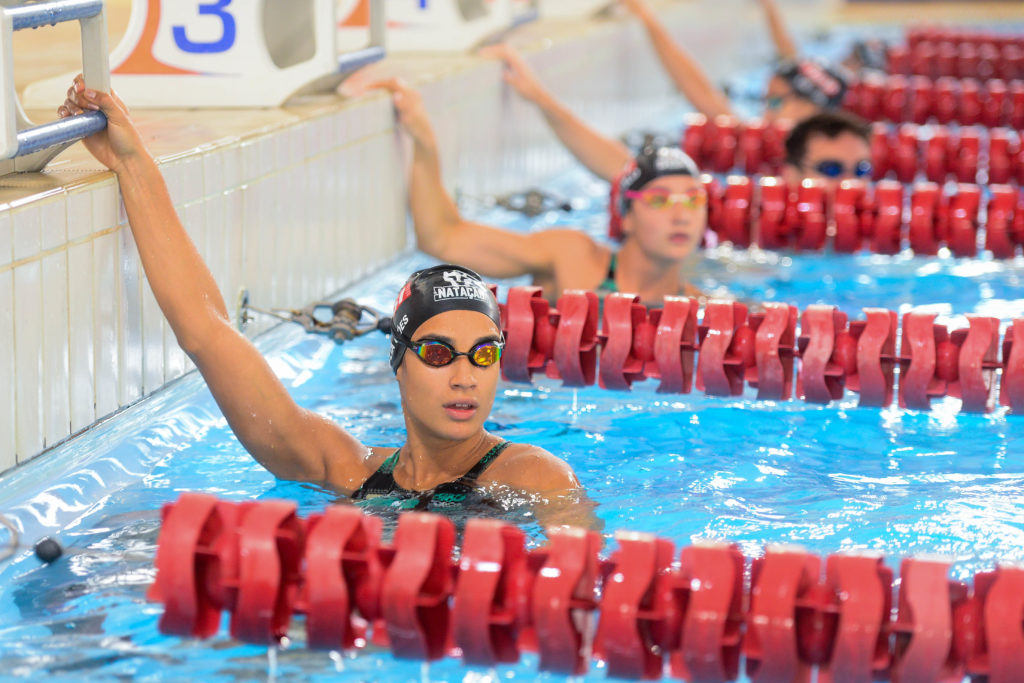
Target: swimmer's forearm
[181, 282]
[785, 46]
[689, 78]
[603, 156]
[434, 213]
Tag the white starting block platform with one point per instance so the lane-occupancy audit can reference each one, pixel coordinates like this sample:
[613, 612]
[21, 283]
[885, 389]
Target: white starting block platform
[572, 9]
[232, 53]
[452, 25]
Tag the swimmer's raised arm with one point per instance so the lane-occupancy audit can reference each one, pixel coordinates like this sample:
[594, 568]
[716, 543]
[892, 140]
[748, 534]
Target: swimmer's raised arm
[686, 73]
[603, 156]
[442, 232]
[292, 443]
[785, 46]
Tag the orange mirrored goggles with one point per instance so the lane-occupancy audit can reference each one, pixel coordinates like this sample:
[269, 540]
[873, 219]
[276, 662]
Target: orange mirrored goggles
[659, 199]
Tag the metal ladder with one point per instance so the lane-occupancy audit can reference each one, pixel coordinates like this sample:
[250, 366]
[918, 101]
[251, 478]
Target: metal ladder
[23, 145]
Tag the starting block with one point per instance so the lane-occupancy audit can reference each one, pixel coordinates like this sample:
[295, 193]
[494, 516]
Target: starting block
[232, 53]
[27, 147]
[451, 25]
[573, 9]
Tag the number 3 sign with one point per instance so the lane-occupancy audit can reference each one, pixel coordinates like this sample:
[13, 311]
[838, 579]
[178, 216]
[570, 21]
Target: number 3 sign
[220, 53]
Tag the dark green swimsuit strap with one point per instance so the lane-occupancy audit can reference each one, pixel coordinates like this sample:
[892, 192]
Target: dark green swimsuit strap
[609, 280]
[382, 482]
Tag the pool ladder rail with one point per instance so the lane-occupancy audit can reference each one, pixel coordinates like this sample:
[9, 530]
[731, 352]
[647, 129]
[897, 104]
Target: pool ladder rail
[698, 615]
[23, 145]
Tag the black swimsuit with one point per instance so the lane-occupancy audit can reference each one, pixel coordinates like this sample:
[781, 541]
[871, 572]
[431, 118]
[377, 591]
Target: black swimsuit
[381, 490]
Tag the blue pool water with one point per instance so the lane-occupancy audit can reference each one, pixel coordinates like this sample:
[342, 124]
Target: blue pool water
[684, 467]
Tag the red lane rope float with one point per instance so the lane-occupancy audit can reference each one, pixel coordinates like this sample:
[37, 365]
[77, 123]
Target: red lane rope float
[696, 615]
[937, 52]
[905, 152]
[885, 217]
[944, 100]
[737, 349]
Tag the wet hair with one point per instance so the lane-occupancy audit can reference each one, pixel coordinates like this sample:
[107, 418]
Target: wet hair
[822, 84]
[829, 124]
[433, 291]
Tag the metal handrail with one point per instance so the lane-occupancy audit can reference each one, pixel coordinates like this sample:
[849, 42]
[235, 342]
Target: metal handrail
[51, 13]
[37, 144]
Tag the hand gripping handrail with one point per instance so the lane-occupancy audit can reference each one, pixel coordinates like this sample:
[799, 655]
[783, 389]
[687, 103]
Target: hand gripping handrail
[35, 145]
[706, 610]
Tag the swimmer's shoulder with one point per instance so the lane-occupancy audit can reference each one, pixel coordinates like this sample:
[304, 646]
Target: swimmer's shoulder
[530, 468]
[347, 479]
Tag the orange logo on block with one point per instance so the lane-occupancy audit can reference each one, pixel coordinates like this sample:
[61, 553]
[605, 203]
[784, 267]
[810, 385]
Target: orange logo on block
[141, 59]
[359, 16]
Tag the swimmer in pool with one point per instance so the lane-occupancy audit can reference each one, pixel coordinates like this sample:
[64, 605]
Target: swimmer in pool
[798, 87]
[445, 352]
[605, 156]
[831, 146]
[664, 217]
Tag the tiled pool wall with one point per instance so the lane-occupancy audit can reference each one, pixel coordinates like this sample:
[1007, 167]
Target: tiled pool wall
[296, 212]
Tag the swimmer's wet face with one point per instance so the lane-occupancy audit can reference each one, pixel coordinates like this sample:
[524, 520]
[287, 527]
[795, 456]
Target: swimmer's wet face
[667, 217]
[830, 146]
[451, 401]
[834, 159]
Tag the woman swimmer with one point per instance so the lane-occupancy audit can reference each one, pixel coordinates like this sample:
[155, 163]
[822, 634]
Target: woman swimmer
[445, 354]
[664, 216]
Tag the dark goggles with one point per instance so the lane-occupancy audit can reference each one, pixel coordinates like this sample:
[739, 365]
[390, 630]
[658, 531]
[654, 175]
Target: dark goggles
[438, 354]
[831, 168]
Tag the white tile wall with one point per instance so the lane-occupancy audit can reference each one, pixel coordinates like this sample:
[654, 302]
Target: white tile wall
[6, 238]
[292, 214]
[81, 322]
[128, 293]
[26, 229]
[107, 324]
[28, 358]
[7, 376]
[56, 396]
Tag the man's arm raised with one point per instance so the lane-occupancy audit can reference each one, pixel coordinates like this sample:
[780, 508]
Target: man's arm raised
[291, 442]
[603, 156]
[689, 78]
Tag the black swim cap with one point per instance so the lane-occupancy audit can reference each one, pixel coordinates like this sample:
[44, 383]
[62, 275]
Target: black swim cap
[821, 83]
[433, 291]
[652, 163]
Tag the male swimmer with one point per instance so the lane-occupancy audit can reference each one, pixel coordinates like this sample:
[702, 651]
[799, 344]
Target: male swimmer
[602, 155]
[445, 351]
[664, 213]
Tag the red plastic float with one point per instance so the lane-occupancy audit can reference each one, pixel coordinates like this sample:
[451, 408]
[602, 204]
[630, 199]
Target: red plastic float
[700, 612]
[821, 378]
[640, 616]
[563, 597]
[924, 648]
[780, 583]
[574, 352]
[343, 573]
[271, 542]
[417, 586]
[489, 602]
[725, 352]
[711, 578]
